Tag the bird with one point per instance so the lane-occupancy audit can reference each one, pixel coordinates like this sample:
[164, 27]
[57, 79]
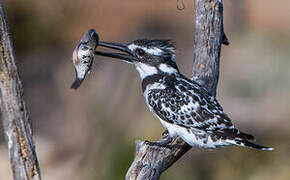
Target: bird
[185, 108]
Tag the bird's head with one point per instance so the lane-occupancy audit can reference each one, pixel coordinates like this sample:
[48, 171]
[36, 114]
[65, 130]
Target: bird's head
[149, 56]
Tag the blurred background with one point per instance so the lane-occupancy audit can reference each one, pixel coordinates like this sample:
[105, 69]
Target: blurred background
[90, 133]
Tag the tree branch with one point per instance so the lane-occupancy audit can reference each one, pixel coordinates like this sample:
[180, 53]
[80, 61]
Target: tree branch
[151, 161]
[17, 127]
[209, 36]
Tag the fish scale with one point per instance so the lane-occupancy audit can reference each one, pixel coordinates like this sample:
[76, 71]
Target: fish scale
[83, 56]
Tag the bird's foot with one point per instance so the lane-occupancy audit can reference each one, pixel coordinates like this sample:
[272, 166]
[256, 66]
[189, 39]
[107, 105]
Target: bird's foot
[164, 142]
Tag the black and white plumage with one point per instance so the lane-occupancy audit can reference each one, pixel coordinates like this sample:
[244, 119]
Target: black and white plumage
[183, 107]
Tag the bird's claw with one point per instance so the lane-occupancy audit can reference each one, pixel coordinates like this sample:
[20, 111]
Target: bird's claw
[164, 142]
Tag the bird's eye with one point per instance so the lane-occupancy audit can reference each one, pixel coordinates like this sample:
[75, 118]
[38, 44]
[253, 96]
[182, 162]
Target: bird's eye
[140, 52]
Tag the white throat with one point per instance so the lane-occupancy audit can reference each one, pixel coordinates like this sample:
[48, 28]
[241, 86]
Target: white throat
[145, 70]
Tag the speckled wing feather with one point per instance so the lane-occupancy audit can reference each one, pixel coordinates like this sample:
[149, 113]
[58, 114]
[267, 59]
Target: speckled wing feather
[184, 103]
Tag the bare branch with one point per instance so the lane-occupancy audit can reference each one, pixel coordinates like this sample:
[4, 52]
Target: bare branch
[209, 36]
[15, 117]
[151, 161]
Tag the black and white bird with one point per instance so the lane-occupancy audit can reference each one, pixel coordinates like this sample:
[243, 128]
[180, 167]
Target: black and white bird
[183, 107]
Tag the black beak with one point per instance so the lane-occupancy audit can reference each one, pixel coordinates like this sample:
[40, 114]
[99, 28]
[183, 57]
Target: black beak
[127, 55]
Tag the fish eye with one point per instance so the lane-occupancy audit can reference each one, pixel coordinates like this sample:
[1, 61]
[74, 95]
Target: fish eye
[93, 34]
[140, 52]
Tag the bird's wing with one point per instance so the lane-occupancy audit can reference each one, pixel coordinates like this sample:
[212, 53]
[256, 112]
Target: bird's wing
[190, 106]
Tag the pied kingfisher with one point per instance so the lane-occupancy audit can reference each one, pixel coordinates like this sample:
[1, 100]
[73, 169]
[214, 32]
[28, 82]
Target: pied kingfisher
[183, 107]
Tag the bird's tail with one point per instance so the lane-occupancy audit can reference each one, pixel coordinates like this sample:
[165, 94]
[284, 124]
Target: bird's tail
[243, 139]
[246, 143]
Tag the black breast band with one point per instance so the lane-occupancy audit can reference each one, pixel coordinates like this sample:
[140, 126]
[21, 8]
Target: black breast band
[151, 80]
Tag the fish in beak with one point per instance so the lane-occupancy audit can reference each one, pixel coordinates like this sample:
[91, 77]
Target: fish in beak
[85, 51]
[83, 56]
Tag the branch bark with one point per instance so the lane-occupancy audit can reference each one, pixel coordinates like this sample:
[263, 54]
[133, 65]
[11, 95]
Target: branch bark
[151, 161]
[16, 123]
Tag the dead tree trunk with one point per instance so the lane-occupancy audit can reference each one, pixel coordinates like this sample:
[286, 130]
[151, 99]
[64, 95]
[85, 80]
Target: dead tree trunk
[16, 123]
[151, 161]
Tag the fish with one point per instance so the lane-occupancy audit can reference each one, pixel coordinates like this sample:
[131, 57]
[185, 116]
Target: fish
[83, 56]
